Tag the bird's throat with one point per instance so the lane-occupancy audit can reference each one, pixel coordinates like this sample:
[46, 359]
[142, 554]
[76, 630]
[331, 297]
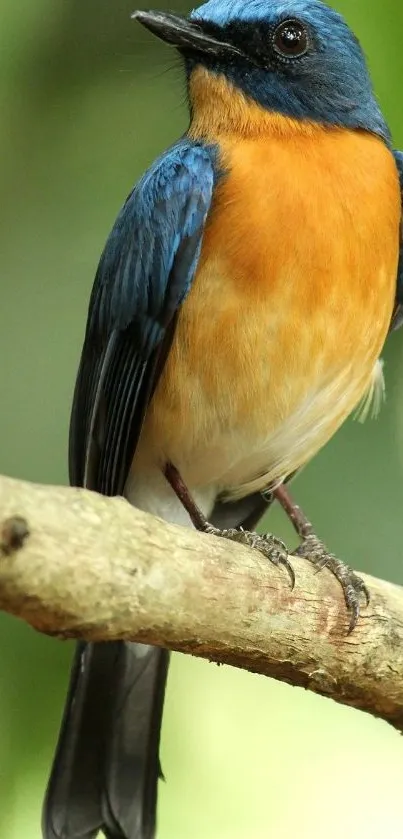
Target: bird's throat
[219, 108]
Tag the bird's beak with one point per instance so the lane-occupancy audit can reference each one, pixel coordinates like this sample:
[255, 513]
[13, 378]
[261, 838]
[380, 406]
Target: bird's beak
[186, 35]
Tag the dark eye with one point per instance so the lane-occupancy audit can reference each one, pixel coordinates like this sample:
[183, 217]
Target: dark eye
[290, 39]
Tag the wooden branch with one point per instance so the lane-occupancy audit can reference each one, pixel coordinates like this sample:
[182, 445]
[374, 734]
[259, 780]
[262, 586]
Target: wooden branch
[77, 565]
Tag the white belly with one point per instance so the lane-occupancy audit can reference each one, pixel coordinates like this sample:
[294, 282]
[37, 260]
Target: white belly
[303, 433]
[237, 464]
[148, 490]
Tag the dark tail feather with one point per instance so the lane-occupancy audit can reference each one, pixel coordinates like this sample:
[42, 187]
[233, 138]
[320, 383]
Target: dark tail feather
[106, 768]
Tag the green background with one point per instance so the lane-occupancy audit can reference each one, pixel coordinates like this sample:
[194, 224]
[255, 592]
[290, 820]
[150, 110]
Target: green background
[87, 100]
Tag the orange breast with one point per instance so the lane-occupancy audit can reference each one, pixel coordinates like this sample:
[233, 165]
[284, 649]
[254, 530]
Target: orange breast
[278, 339]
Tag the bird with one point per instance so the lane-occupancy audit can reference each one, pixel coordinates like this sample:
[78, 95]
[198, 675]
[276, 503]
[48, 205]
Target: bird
[238, 315]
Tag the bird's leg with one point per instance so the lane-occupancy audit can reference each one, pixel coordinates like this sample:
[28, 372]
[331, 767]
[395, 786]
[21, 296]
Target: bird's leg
[316, 552]
[180, 489]
[270, 546]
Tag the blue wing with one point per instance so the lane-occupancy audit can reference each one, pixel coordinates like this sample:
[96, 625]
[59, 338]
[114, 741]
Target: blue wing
[106, 768]
[397, 319]
[144, 274]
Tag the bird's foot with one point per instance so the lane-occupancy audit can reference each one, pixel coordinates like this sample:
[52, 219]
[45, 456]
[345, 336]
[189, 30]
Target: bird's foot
[354, 588]
[270, 546]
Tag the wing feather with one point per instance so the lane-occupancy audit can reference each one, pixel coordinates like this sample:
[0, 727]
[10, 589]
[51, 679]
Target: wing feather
[145, 272]
[106, 768]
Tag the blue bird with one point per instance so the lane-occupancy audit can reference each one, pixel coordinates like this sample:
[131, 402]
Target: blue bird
[237, 317]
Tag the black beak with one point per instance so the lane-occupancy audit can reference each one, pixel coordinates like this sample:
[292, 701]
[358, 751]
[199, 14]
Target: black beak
[186, 35]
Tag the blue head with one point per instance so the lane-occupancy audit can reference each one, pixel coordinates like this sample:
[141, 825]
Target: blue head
[293, 57]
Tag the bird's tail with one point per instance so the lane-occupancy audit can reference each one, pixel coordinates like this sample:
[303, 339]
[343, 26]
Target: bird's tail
[106, 768]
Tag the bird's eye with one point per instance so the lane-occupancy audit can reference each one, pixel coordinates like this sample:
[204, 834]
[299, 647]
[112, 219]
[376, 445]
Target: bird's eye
[290, 39]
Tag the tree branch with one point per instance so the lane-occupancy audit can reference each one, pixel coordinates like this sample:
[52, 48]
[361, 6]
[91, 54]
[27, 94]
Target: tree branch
[77, 565]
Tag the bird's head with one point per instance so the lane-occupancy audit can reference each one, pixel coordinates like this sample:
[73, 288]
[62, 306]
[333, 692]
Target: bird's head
[296, 58]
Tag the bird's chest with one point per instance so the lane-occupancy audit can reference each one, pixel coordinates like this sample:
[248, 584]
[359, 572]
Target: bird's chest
[281, 331]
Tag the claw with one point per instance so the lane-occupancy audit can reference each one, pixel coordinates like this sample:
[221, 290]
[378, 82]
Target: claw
[365, 592]
[353, 587]
[270, 546]
[287, 565]
[355, 614]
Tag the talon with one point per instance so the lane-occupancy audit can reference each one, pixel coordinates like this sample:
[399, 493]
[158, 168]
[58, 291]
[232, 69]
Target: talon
[355, 614]
[315, 551]
[287, 564]
[365, 592]
[270, 546]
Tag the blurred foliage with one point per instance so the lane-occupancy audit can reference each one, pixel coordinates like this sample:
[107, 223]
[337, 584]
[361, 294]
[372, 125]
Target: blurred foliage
[86, 103]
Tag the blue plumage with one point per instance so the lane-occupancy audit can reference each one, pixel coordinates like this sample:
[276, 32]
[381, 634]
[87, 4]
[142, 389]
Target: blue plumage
[144, 274]
[224, 12]
[151, 253]
[329, 84]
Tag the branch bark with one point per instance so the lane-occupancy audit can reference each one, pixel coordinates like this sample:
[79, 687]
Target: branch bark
[77, 565]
